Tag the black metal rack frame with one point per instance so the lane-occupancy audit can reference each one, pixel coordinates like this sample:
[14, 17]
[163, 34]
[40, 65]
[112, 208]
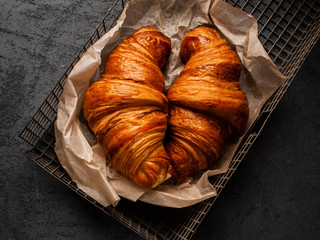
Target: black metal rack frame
[287, 29]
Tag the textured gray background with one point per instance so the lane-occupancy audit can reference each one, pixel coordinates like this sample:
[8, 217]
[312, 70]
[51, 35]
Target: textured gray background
[273, 195]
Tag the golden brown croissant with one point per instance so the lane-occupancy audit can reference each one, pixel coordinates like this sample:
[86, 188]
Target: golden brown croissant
[206, 105]
[127, 109]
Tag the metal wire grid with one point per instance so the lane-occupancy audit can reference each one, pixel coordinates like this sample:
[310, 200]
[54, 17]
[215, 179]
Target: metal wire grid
[287, 29]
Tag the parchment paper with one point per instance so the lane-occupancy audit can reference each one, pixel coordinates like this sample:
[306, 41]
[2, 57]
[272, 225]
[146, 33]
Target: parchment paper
[76, 146]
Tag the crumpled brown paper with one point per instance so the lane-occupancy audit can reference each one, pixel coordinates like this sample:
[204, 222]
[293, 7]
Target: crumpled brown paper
[76, 146]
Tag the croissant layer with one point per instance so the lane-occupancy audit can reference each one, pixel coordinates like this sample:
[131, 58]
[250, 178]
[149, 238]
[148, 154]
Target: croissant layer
[207, 107]
[127, 109]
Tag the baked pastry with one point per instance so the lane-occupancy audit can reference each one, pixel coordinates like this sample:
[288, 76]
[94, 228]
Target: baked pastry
[207, 107]
[127, 109]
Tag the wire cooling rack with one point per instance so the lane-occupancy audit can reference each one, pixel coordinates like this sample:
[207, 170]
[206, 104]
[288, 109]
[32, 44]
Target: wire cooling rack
[287, 29]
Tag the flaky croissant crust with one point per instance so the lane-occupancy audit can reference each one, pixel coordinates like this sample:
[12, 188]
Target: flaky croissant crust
[207, 107]
[127, 109]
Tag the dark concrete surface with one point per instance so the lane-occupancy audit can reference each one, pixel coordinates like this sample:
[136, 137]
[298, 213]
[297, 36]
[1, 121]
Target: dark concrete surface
[274, 194]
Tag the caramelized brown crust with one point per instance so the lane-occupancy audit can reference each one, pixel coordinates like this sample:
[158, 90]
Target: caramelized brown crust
[127, 110]
[207, 106]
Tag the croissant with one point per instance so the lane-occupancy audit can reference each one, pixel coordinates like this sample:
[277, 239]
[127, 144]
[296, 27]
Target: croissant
[207, 107]
[127, 109]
